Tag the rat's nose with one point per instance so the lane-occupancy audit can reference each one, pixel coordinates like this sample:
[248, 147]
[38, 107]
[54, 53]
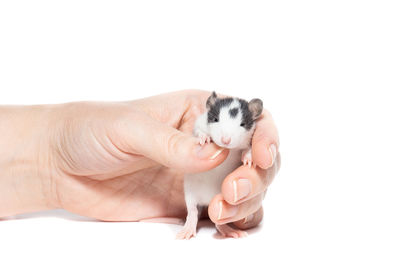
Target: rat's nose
[226, 140]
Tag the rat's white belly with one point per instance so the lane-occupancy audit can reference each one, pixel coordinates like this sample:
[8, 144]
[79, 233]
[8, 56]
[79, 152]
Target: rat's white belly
[200, 188]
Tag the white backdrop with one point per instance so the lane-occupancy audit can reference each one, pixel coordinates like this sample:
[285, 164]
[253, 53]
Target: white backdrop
[329, 71]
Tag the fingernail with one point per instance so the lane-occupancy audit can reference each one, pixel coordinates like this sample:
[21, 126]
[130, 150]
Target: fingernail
[248, 218]
[241, 189]
[217, 153]
[226, 211]
[272, 151]
[208, 152]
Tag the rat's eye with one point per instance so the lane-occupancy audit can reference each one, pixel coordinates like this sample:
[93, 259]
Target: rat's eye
[215, 119]
[242, 124]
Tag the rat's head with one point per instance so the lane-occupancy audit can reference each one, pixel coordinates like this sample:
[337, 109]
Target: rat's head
[231, 121]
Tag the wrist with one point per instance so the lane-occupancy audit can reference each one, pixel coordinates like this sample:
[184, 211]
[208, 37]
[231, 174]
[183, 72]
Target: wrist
[25, 163]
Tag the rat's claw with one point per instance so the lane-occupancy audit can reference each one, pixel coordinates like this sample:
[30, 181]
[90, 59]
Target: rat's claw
[203, 139]
[247, 158]
[247, 162]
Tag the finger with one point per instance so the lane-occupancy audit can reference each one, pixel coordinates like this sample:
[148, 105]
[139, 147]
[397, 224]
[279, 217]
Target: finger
[265, 141]
[221, 212]
[245, 183]
[250, 221]
[169, 146]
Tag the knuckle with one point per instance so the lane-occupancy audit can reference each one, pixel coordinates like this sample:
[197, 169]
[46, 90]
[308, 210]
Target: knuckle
[256, 218]
[173, 144]
[262, 135]
[260, 177]
[251, 219]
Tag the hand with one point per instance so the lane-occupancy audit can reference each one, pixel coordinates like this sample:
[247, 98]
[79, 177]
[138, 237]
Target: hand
[125, 161]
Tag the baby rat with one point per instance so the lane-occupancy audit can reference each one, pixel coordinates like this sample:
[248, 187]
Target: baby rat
[229, 123]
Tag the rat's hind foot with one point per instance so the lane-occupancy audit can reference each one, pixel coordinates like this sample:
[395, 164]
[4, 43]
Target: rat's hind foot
[227, 231]
[247, 158]
[204, 138]
[187, 232]
[189, 229]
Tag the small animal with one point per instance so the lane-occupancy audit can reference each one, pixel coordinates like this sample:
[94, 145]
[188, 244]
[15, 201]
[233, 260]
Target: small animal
[229, 123]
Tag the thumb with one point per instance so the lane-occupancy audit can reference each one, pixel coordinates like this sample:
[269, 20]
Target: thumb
[171, 147]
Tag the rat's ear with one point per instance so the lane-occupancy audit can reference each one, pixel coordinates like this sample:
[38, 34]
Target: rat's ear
[211, 100]
[256, 107]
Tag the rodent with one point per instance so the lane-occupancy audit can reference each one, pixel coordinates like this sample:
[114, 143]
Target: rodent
[230, 123]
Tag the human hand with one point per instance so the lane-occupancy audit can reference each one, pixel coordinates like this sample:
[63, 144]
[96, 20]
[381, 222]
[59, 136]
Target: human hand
[125, 161]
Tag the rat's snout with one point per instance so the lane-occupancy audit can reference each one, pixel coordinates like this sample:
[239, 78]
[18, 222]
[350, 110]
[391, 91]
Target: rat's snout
[226, 140]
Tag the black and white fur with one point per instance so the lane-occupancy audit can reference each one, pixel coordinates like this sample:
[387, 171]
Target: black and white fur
[226, 119]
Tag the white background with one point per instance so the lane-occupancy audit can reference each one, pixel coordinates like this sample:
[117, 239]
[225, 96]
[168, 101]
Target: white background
[329, 71]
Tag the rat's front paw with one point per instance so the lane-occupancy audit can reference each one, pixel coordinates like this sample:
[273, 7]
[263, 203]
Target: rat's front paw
[204, 138]
[247, 158]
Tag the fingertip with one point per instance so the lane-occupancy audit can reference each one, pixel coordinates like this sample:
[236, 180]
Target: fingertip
[205, 157]
[209, 151]
[242, 184]
[264, 154]
[265, 144]
[189, 156]
[215, 208]
[245, 183]
[229, 190]
[237, 186]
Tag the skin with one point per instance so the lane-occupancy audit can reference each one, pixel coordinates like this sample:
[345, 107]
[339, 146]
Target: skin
[122, 161]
